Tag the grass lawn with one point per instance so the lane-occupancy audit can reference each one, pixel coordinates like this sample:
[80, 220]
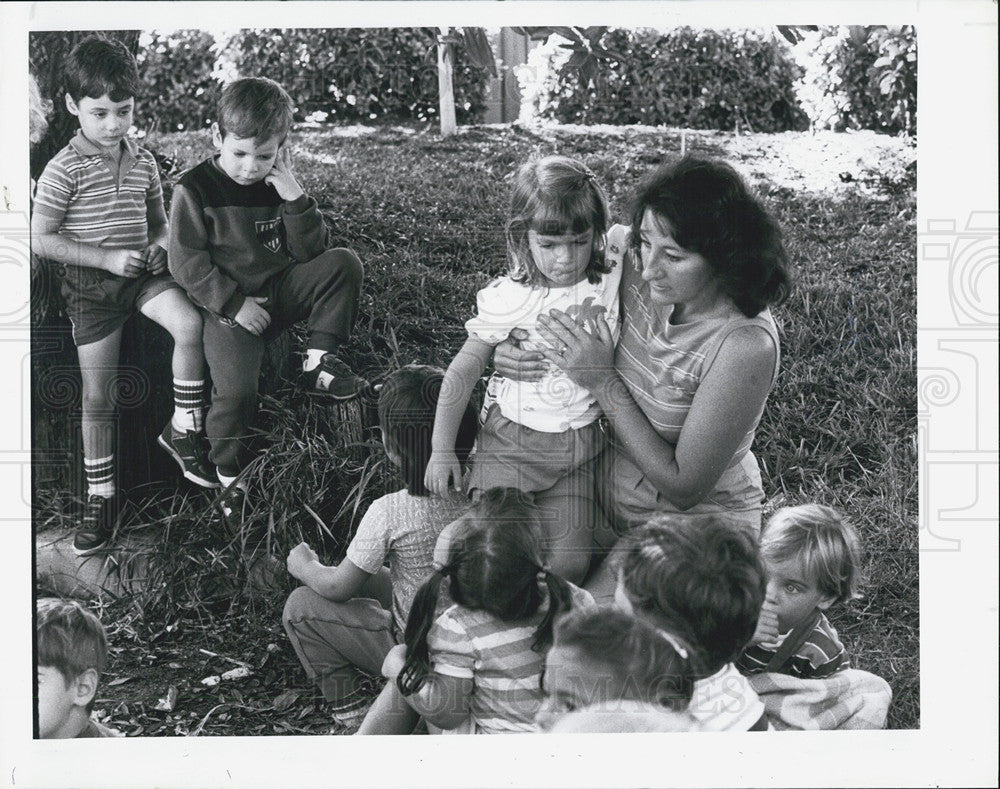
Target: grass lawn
[426, 215]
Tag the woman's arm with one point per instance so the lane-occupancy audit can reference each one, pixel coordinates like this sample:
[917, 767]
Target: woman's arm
[456, 389]
[724, 408]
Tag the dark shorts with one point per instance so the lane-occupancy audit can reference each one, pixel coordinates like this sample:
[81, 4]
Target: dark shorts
[512, 455]
[98, 302]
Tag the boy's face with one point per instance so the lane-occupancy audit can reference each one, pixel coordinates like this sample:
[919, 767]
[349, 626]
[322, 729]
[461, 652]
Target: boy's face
[56, 701]
[791, 593]
[104, 122]
[244, 159]
[570, 682]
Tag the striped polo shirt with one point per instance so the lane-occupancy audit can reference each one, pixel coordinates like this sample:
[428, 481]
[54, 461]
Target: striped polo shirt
[820, 655]
[96, 205]
[498, 657]
[662, 365]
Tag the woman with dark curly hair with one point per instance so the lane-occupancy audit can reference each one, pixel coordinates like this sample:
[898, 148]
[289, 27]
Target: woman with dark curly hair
[685, 386]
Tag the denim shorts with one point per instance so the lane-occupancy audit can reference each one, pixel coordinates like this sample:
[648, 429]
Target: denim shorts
[511, 455]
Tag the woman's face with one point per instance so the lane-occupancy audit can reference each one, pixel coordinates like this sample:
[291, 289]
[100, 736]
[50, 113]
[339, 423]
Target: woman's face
[675, 275]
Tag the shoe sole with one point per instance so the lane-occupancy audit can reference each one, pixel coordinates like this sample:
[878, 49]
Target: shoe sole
[90, 551]
[188, 475]
[321, 394]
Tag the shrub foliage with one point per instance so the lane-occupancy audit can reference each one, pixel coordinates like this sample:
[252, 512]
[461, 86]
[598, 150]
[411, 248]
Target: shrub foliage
[177, 69]
[861, 78]
[355, 73]
[702, 79]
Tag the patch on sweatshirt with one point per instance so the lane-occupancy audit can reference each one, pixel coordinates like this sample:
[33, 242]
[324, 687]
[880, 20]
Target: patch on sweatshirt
[271, 233]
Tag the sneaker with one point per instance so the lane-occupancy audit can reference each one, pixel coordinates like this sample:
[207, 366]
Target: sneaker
[97, 524]
[190, 450]
[348, 718]
[232, 506]
[332, 378]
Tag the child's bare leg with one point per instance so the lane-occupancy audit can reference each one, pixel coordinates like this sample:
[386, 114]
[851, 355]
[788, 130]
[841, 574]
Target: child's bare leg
[390, 714]
[172, 310]
[98, 369]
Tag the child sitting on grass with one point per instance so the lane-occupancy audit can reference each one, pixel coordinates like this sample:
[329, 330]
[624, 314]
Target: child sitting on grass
[701, 581]
[477, 667]
[250, 247]
[98, 212]
[72, 650]
[614, 665]
[811, 556]
[340, 621]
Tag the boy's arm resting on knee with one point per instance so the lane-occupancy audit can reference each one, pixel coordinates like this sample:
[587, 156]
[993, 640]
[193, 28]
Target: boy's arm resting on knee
[338, 583]
[190, 262]
[306, 232]
[443, 700]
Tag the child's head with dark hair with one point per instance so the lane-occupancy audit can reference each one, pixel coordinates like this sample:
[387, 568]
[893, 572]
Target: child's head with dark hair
[601, 655]
[556, 225]
[496, 563]
[707, 209]
[406, 407]
[699, 579]
[72, 650]
[99, 66]
[813, 559]
[255, 108]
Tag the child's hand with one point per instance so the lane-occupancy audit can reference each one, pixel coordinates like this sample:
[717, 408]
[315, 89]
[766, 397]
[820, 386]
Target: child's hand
[299, 558]
[442, 468]
[252, 316]
[512, 361]
[125, 262]
[282, 178]
[393, 663]
[156, 259]
[766, 633]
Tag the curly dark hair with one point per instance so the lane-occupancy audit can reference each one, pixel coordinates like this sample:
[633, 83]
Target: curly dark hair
[712, 213]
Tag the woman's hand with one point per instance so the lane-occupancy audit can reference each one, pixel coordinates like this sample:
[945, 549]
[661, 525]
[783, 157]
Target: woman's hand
[517, 364]
[587, 357]
[393, 663]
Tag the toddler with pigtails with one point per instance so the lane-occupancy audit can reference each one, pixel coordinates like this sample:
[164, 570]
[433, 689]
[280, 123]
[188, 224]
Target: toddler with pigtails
[535, 434]
[477, 667]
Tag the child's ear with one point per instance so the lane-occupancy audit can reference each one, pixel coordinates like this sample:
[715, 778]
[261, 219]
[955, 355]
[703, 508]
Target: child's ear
[216, 135]
[71, 105]
[86, 687]
[826, 602]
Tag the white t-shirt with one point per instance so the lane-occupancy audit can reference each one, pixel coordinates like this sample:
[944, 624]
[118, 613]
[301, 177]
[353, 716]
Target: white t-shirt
[725, 701]
[554, 404]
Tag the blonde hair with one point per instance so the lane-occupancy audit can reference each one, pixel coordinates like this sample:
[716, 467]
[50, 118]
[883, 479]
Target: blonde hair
[555, 195]
[825, 543]
[38, 112]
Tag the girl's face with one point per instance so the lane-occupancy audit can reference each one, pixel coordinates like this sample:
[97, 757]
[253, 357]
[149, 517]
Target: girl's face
[562, 259]
[675, 275]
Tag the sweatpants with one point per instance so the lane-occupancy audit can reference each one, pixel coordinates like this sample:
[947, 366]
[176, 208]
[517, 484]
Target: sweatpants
[324, 292]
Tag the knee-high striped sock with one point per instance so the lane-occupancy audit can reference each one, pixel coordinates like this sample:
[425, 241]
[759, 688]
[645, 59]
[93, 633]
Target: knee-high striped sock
[189, 405]
[100, 475]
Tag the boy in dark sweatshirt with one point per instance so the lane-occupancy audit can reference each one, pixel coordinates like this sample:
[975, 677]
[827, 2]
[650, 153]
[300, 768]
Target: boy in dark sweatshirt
[249, 246]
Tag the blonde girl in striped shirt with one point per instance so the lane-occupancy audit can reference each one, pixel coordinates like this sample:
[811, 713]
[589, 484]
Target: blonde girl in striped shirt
[477, 667]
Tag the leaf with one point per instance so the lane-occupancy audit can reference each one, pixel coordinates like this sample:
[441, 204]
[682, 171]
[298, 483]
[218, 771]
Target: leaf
[168, 702]
[285, 700]
[119, 681]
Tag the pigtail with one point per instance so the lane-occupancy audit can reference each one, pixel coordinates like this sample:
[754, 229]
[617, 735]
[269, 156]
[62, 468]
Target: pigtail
[560, 599]
[418, 624]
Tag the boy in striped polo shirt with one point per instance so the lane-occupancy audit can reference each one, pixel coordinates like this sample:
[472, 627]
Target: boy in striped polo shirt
[98, 213]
